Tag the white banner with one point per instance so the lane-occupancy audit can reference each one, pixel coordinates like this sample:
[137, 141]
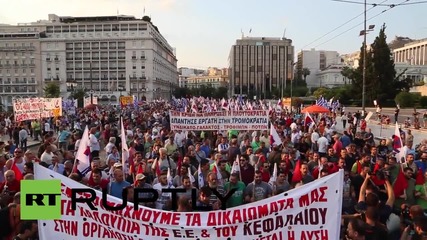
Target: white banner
[312, 211]
[226, 120]
[36, 108]
[87, 101]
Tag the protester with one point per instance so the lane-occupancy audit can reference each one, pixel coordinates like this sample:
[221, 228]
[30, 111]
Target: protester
[148, 154]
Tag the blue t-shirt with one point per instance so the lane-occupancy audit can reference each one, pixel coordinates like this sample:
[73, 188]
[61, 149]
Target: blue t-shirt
[116, 188]
[63, 135]
[421, 165]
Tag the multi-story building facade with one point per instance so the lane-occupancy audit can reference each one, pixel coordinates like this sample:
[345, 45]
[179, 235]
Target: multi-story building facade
[214, 78]
[109, 56]
[20, 63]
[414, 53]
[258, 65]
[316, 61]
[185, 73]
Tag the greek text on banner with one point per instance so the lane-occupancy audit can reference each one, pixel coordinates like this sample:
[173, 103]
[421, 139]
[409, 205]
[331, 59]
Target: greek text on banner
[311, 211]
[239, 120]
[36, 108]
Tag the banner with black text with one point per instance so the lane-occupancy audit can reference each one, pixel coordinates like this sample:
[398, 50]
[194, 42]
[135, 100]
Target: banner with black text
[226, 120]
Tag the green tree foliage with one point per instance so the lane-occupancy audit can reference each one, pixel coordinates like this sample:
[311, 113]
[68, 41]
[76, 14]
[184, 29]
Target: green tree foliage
[405, 99]
[305, 73]
[381, 82]
[51, 90]
[79, 95]
[423, 101]
[382, 85]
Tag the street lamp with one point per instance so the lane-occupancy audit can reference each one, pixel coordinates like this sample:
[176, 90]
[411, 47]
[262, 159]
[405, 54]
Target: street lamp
[364, 32]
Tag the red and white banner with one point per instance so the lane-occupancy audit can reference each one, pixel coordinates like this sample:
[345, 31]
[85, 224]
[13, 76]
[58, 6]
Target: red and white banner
[36, 108]
[236, 120]
[312, 211]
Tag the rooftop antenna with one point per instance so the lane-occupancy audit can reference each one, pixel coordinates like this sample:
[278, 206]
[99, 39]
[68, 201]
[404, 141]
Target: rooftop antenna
[243, 34]
[284, 34]
[143, 13]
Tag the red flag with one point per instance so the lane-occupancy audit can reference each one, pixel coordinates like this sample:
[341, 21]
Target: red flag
[400, 184]
[18, 174]
[420, 178]
[297, 176]
[214, 170]
[178, 166]
[377, 181]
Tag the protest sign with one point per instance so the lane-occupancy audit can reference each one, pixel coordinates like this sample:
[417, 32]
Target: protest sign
[226, 120]
[126, 101]
[36, 108]
[87, 101]
[312, 211]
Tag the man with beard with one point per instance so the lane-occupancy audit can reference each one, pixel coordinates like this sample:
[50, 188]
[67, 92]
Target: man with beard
[257, 190]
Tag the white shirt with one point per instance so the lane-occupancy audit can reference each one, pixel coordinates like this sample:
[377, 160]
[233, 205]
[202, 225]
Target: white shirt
[179, 138]
[94, 143]
[109, 147]
[295, 137]
[314, 137]
[323, 144]
[47, 127]
[266, 140]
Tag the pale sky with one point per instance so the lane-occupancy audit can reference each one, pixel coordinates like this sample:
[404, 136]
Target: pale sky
[203, 31]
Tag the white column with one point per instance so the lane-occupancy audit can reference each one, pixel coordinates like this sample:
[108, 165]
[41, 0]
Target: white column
[418, 55]
[424, 54]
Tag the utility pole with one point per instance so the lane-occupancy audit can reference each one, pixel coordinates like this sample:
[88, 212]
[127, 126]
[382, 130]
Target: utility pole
[91, 84]
[364, 63]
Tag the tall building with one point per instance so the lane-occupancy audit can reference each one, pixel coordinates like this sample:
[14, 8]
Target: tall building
[413, 53]
[316, 61]
[260, 64]
[109, 56]
[20, 63]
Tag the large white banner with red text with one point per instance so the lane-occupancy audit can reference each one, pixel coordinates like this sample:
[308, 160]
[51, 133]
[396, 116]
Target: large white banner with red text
[226, 120]
[36, 108]
[312, 211]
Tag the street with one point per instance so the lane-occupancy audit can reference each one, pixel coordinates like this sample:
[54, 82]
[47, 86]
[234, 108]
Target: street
[403, 114]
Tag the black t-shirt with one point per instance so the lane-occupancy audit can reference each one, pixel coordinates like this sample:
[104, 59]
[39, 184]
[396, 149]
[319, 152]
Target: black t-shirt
[384, 211]
[378, 231]
[357, 182]
[5, 224]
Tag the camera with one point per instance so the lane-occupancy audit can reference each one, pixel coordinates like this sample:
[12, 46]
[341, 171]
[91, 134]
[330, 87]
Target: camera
[381, 174]
[405, 216]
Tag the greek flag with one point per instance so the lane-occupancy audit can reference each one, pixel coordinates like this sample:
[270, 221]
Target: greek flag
[322, 102]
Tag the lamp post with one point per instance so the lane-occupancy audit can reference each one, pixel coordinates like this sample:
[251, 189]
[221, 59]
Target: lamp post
[364, 32]
[91, 84]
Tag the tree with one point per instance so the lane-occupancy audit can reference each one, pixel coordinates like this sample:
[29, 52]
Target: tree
[52, 90]
[383, 82]
[305, 73]
[79, 95]
[347, 73]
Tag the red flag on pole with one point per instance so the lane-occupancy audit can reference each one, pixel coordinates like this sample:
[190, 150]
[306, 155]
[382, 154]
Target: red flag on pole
[297, 176]
[400, 184]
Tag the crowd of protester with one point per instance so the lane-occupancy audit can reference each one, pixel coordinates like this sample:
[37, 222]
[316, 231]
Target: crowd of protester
[383, 197]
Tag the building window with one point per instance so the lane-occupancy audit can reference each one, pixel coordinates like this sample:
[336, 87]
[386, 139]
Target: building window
[32, 70]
